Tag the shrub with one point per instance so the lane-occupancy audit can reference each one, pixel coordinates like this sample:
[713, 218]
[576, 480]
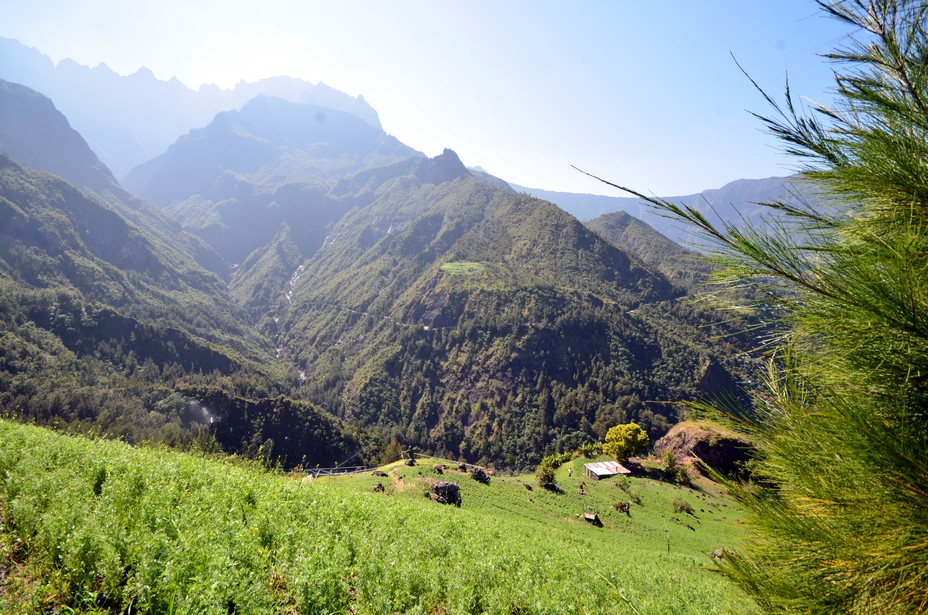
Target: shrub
[544, 473]
[589, 450]
[668, 463]
[681, 506]
[556, 460]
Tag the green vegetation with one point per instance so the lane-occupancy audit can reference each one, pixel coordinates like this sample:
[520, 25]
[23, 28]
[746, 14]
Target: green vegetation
[623, 441]
[546, 470]
[544, 473]
[84, 367]
[98, 526]
[53, 236]
[839, 506]
[463, 268]
[561, 337]
[416, 302]
[681, 266]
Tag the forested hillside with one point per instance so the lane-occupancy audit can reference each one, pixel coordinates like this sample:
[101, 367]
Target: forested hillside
[418, 302]
[478, 322]
[108, 321]
[680, 265]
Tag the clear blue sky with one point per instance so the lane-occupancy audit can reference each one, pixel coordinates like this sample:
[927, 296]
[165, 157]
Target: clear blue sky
[644, 93]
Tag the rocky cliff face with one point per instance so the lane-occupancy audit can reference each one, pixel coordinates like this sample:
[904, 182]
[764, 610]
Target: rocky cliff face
[706, 444]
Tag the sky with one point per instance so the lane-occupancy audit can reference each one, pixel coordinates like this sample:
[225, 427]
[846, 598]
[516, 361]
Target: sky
[645, 94]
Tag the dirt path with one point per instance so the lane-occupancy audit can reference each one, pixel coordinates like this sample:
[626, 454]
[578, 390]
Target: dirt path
[398, 486]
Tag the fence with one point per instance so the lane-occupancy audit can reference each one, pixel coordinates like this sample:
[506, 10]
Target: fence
[338, 471]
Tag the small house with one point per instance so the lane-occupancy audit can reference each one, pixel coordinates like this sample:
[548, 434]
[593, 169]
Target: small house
[604, 469]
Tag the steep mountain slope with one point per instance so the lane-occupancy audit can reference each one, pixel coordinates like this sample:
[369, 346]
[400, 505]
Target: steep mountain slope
[54, 236]
[107, 322]
[469, 319]
[129, 120]
[681, 266]
[258, 282]
[36, 134]
[236, 181]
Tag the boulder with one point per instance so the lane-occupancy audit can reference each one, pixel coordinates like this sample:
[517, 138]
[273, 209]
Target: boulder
[445, 492]
[593, 518]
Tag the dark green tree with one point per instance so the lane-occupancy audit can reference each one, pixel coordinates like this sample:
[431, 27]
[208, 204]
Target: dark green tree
[839, 510]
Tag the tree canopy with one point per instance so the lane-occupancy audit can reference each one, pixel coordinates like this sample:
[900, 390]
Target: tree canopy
[623, 441]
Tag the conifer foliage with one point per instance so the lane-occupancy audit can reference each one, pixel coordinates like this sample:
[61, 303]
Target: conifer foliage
[840, 499]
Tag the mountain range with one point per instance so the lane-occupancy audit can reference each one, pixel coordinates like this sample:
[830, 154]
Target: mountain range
[737, 203]
[289, 264]
[129, 120]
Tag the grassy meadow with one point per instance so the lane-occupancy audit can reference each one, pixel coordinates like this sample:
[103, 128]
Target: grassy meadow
[97, 526]
[463, 268]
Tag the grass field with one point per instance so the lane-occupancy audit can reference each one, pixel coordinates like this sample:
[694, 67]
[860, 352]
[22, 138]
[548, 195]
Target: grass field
[463, 268]
[99, 527]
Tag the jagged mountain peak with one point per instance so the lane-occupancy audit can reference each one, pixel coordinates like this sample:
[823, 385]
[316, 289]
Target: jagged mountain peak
[128, 120]
[442, 168]
[268, 141]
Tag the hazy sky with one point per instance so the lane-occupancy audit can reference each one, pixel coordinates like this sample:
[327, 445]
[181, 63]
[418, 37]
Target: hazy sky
[643, 92]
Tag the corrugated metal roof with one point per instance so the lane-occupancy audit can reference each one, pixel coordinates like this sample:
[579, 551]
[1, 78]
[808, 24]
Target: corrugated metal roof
[606, 468]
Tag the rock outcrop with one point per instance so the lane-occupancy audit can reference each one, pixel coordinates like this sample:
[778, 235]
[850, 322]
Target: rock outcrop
[706, 444]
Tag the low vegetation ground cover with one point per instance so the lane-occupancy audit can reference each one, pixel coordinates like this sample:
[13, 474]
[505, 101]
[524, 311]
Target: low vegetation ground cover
[98, 526]
[463, 268]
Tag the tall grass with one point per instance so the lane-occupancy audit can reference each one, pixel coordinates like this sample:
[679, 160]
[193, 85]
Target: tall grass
[98, 526]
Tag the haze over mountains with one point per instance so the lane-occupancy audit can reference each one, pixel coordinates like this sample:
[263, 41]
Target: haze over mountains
[128, 120]
[289, 252]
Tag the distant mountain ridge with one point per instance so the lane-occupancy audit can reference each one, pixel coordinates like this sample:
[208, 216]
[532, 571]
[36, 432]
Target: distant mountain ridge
[268, 139]
[735, 202]
[128, 120]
